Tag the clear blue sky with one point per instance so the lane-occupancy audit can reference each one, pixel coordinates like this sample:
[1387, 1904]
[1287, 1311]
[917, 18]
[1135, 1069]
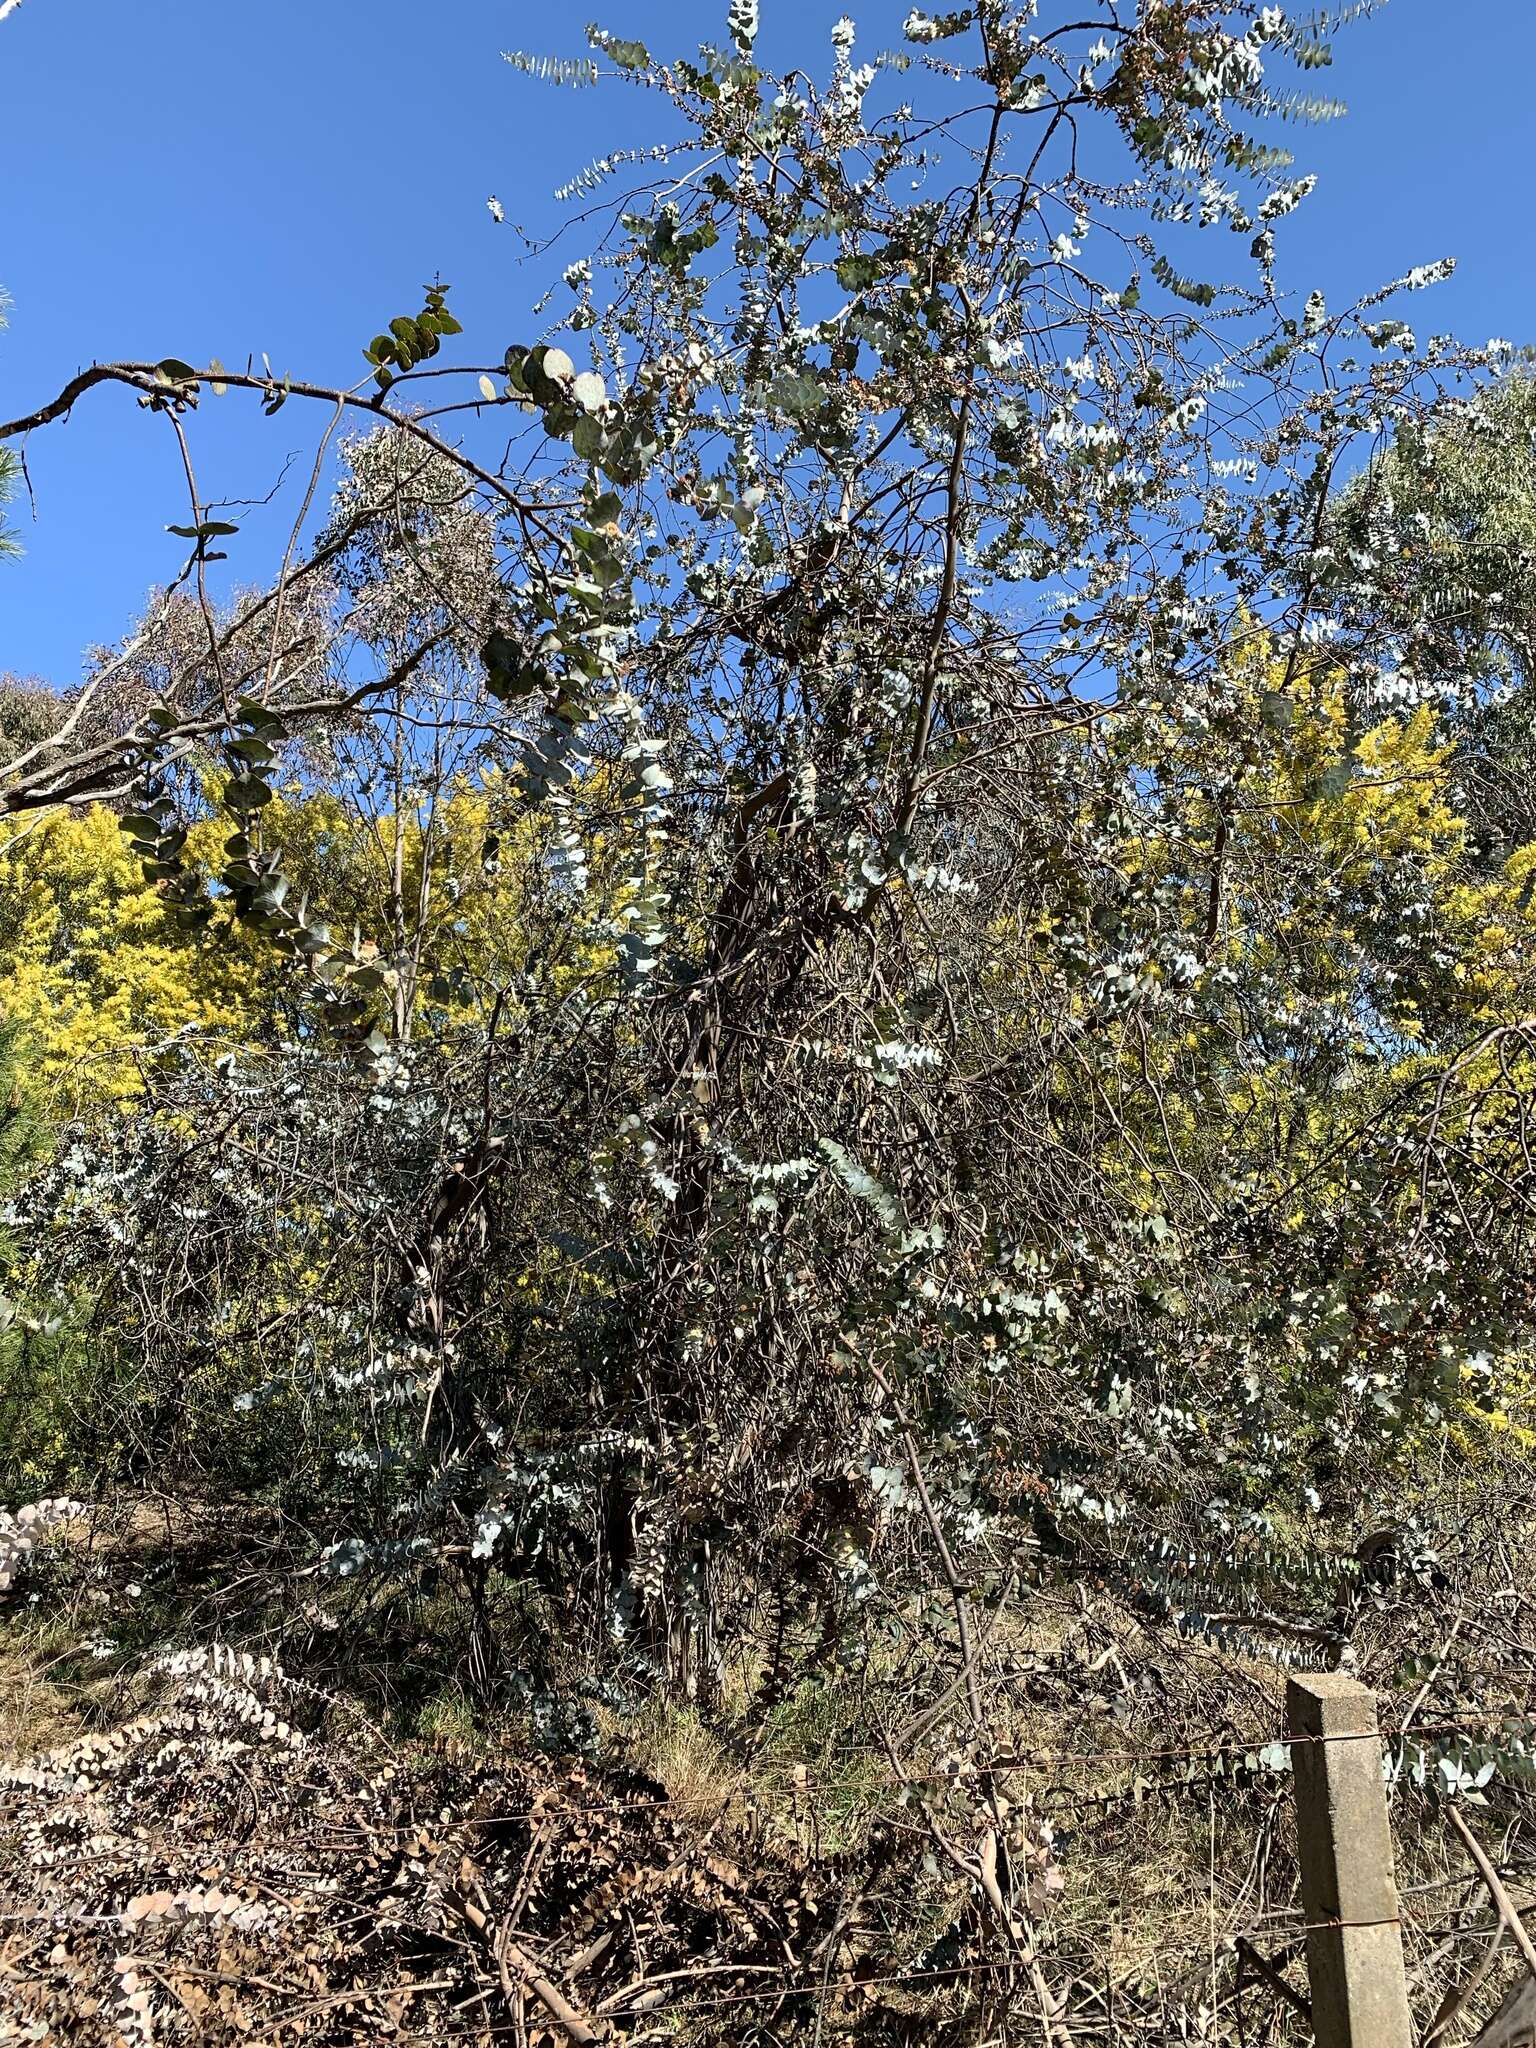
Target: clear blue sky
[219, 180]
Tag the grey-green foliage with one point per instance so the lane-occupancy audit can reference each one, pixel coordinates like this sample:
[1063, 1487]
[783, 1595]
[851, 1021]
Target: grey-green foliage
[29, 712]
[906, 1040]
[39, 1345]
[1442, 527]
[1435, 545]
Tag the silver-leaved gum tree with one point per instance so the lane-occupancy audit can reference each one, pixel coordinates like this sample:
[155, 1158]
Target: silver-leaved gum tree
[952, 1043]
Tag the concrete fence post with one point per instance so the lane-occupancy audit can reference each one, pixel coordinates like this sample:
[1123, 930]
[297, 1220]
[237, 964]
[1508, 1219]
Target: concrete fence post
[1348, 1885]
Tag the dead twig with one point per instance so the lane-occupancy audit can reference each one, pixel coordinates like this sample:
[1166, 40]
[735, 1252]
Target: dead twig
[1263, 1967]
[510, 1955]
[1496, 1891]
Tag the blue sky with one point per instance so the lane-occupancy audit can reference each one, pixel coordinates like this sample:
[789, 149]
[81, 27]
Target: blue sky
[193, 180]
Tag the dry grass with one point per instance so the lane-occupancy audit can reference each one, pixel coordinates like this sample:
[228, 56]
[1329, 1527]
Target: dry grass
[35, 1713]
[1159, 1872]
[671, 1745]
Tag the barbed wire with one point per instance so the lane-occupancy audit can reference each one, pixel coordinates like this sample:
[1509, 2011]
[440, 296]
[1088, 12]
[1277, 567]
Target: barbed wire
[796, 1775]
[825, 1991]
[804, 1780]
[370, 1839]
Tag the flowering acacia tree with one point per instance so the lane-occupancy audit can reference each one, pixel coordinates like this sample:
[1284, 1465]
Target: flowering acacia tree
[980, 1063]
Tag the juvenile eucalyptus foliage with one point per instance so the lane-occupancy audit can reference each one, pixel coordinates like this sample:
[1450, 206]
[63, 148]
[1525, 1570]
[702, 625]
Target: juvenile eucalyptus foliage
[901, 1142]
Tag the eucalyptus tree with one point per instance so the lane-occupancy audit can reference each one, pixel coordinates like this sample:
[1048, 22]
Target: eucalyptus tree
[1435, 548]
[885, 1147]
